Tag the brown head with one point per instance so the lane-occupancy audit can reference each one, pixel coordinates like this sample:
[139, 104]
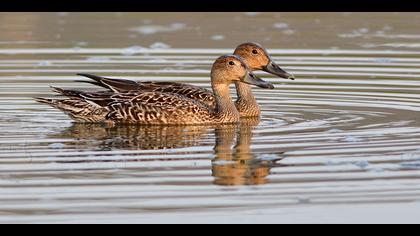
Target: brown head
[228, 69]
[257, 58]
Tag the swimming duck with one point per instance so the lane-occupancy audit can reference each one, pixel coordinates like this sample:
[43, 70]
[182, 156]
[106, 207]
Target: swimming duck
[157, 108]
[254, 55]
[256, 58]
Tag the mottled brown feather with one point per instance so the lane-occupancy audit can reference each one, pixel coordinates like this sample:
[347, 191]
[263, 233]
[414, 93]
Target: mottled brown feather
[246, 103]
[157, 108]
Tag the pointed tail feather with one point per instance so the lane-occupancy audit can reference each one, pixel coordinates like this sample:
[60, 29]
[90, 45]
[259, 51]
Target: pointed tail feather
[100, 98]
[90, 76]
[78, 109]
[50, 102]
[116, 85]
[97, 80]
[67, 92]
[94, 83]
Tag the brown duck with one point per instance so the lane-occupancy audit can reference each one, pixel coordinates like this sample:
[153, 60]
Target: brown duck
[253, 54]
[157, 108]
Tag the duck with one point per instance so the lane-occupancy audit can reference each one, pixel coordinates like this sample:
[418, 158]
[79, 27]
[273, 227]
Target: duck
[254, 55]
[160, 108]
[257, 58]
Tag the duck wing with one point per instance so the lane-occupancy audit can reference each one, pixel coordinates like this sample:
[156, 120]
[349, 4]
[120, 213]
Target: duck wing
[187, 90]
[132, 107]
[121, 85]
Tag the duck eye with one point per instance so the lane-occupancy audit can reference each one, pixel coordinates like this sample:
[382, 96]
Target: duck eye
[254, 51]
[231, 63]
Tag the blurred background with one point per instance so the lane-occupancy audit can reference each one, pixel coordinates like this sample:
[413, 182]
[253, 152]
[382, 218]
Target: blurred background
[210, 30]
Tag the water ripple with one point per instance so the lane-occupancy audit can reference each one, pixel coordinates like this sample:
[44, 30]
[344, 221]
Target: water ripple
[346, 130]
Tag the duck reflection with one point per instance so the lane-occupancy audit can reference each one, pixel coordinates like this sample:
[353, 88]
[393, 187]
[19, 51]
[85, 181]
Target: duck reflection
[134, 137]
[234, 161]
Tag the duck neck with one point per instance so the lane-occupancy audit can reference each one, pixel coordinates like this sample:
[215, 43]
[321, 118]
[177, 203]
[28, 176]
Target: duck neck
[224, 103]
[244, 92]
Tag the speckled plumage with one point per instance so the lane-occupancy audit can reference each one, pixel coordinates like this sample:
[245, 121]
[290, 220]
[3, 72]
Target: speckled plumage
[246, 103]
[120, 85]
[156, 108]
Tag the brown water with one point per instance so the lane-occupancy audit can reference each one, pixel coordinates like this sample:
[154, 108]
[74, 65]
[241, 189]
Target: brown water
[339, 144]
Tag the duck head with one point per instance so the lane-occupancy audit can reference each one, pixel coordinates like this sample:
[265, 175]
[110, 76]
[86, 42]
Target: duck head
[228, 69]
[257, 58]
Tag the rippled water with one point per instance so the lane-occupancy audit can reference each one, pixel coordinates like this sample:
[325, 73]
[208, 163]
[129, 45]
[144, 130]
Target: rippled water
[339, 143]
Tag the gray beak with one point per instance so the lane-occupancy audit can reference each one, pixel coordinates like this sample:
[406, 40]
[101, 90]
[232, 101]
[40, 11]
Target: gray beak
[274, 69]
[251, 78]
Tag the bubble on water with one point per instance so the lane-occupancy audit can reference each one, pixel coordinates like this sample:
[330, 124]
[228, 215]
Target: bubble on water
[57, 145]
[97, 59]
[153, 29]
[159, 45]
[132, 50]
[362, 164]
[44, 63]
[217, 37]
[410, 165]
[350, 35]
[147, 29]
[352, 139]
[281, 25]
[382, 60]
[411, 156]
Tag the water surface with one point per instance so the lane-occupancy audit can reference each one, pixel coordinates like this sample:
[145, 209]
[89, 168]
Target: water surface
[340, 144]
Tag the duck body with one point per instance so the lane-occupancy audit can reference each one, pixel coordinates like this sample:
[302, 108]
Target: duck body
[160, 108]
[246, 104]
[253, 54]
[154, 108]
[147, 108]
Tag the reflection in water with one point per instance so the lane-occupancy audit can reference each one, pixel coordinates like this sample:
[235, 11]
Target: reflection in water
[238, 165]
[136, 137]
[232, 165]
